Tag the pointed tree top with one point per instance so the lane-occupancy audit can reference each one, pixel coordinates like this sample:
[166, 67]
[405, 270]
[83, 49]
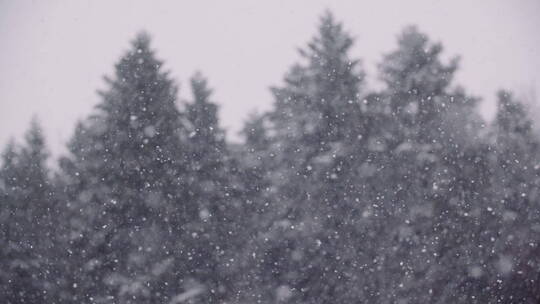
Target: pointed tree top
[512, 118]
[34, 136]
[331, 40]
[202, 111]
[411, 35]
[327, 18]
[9, 153]
[142, 40]
[199, 87]
[327, 55]
[510, 110]
[254, 130]
[202, 114]
[138, 58]
[416, 63]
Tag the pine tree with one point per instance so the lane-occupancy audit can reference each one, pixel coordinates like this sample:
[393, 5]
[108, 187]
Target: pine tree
[210, 190]
[315, 126]
[515, 188]
[417, 82]
[27, 222]
[126, 180]
[256, 164]
[208, 151]
[336, 195]
[431, 137]
[254, 167]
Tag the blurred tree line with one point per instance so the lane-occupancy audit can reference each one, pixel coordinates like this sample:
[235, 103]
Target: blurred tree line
[339, 194]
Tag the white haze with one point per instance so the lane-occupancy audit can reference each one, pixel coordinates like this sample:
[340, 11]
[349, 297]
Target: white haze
[54, 53]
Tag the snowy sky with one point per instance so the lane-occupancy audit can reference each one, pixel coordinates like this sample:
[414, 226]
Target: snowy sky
[54, 53]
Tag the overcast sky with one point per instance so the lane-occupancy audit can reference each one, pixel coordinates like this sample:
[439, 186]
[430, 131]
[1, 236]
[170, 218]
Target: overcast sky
[53, 54]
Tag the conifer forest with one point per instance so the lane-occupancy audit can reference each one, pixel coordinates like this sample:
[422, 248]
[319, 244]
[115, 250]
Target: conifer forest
[340, 193]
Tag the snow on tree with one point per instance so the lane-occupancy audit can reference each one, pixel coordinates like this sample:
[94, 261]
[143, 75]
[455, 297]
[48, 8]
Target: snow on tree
[27, 220]
[126, 179]
[338, 194]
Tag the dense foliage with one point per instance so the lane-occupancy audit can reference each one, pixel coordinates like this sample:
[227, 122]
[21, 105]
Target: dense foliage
[339, 194]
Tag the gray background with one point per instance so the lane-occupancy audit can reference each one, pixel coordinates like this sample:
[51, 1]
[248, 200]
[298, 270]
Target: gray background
[54, 53]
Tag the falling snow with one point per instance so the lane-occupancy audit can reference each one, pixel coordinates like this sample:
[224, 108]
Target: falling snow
[340, 193]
